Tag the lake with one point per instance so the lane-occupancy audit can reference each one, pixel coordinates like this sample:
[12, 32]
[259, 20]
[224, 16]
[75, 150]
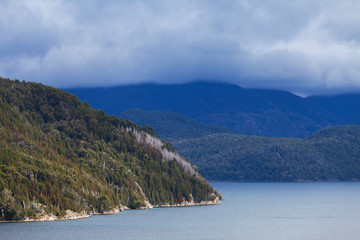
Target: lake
[274, 211]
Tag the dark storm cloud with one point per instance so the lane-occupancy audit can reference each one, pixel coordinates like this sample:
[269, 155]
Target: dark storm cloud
[302, 46]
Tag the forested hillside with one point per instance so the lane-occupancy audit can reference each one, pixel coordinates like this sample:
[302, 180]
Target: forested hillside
[330, 154]
[171, 126]
[58, 154]
[174, 110]
[257, 112]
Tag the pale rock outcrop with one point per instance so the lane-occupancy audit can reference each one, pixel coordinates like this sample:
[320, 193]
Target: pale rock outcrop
[145, 138]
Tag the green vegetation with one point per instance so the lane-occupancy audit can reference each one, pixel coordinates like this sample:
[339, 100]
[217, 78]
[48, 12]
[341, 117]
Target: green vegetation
[58, 154]
[270, 113]
[329, 154]
[171, 126]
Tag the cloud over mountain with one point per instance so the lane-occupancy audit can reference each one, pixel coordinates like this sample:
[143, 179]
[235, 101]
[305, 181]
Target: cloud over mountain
[302, 46]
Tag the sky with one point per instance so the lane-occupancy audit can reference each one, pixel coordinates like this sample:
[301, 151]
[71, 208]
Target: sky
[303, 46]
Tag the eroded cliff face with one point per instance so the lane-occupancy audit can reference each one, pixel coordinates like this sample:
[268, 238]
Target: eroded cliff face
[145, 138]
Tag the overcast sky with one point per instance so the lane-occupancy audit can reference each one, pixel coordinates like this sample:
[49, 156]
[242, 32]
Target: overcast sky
[307, 47]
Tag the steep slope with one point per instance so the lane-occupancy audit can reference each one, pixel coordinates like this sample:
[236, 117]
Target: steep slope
[251, 112]
[171, 126]
[329, 154]
[59, 157]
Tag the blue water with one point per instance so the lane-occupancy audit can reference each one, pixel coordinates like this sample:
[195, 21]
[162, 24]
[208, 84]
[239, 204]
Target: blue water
[273, 211]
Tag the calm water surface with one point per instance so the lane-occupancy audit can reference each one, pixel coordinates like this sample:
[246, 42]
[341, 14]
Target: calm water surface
[273, 211]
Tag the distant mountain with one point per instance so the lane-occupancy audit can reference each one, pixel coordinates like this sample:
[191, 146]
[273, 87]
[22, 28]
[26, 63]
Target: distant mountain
[346, 106]
[245, 111]
[330, 154]
[59, 158]
[171, 126]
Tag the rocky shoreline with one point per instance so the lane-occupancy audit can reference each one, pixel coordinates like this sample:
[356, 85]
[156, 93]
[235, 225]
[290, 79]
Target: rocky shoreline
[71, 215]
[192, 203]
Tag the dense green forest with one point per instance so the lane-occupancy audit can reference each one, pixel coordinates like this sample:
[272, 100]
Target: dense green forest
[59, 154]
[330, 154]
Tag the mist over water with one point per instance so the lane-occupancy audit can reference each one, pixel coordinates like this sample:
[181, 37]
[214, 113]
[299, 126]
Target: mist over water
[273, 211]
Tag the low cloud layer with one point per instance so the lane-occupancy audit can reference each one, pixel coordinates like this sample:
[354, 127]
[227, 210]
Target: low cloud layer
[307, 47]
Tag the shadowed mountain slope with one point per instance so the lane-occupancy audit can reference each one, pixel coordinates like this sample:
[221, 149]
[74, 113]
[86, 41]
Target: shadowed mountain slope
[245, 111]
[171, 126]
[346, 106]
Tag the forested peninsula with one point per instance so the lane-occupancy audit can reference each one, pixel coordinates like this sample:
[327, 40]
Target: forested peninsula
[61, 159]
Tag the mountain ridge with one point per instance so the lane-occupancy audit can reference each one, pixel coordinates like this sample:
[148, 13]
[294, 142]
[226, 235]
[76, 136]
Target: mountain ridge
[273, 113]
[171, 126]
